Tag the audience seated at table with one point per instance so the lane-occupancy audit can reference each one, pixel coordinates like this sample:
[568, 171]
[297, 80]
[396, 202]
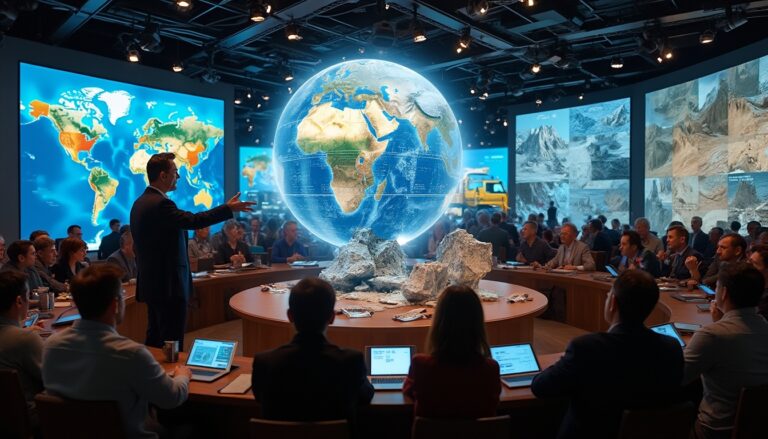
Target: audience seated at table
[255, 237]
[632, 255]
[572, 254]
[72, 253]
[498, 237]
[310, 379]
[532, 248]
[649, 241]
[288, 249]
[627, 367]
[22, 257]
[21, 349]
[111, 242]
[233, 250]
[730, 248]
[678, 250]
[456, 378]
[732, 352]
[200, 245]
[125, 258]
[46, 257]
[91, 361]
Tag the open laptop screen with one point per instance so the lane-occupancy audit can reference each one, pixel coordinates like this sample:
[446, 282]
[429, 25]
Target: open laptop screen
[214, 354]
[389, 360]
[611, 270]
[514, 359]
[669, 330]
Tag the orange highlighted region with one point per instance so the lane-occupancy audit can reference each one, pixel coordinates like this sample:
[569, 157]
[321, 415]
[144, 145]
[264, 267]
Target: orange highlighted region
[39, 108]
[192, 155]
[75, 142]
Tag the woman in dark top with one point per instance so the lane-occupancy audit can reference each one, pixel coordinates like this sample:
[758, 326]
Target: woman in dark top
[233, 250]
[71, 259]
[457, 347]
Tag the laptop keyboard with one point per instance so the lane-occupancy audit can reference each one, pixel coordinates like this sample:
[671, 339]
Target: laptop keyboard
[387, 380]
[518, 379]
[204, 373]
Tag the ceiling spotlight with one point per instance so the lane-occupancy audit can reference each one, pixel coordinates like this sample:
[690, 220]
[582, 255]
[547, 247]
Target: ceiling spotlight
[581, 96]
[133, 55]
[617, 62]
[184, 4]
[290, 90]
[538, 100]
[258, 105]
[177, 67]
[288, 75]
[249, 95]
[472, 90]
[706, 37]
[292, 32]
[667, 53]
[505, 123]
[478, 7]
[459, 49]
[265, 97]
[529, 2]
[465, 39]
[733, 19]
[659, 59]
[238, 100]
[250, 128]
[535, 67]
[418, 29]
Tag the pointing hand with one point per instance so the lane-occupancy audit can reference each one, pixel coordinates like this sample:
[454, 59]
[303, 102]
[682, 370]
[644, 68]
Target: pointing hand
[236, 205]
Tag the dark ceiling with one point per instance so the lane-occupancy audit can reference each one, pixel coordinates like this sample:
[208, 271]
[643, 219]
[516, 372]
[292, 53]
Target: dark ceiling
[575, 42]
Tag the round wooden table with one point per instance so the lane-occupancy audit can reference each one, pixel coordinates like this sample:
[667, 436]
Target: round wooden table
[266, 326]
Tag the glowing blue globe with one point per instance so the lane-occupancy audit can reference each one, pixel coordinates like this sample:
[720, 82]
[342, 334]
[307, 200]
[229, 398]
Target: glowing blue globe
[367, 143]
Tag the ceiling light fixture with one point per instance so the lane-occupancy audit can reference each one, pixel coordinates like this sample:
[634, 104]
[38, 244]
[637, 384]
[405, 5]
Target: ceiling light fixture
[707, 37]
[538, 100]
[288, 75]
[472, 90]
[177, 67]
[238, 100]
[478, 7]
[133, 55]
[259, 11]
[465, 39]
[535, 67]
[617, 62]
[581, 96]
[265, 97]
[292, 32]
[530, 3]
[505, 123]
[419, 35]
[184, 4]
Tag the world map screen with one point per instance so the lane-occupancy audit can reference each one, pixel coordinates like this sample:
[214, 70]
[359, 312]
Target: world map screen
[257, 178]
[85, 142]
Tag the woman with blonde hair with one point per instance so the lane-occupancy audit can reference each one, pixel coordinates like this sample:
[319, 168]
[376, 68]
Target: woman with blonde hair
[457, 378]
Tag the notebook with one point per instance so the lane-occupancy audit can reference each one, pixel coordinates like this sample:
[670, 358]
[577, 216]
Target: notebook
[669, 330]
[211, 359]
[517, 364]
[388, 365]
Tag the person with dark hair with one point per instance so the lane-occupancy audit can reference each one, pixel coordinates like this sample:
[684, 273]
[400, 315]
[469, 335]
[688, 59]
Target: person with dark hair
[271, 232]
[753, 232]
[698, 239]
[664, 237]
[37, 233]
[20, 349]
[605, 373]
[72, 253]
[498, 238]
[75, 231]
[735, 227]
[233, 250]
[715, 233]
[633, 256]
[731, 248]
[532, 248]
[22, 257]
[288, 249]
[456, 347]
[110, 243]
[158, 227]
[551, 215]
[255, 238]
[572, 254]
[601, 241]
[310, 379]
[46, 257]
[732, 352]
[3, 256]
[125, 257]
[91, 361]
[759, 259]
[678, 251]
[510, 228]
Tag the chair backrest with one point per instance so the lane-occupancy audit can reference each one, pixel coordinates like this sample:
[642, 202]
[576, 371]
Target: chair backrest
[62, 418]
[751, 420]
[600, 258]
[265, 429]
[669, 422]
[498, 427]
[14, 421]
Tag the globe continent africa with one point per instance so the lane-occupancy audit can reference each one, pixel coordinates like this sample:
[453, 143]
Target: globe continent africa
[367, 143]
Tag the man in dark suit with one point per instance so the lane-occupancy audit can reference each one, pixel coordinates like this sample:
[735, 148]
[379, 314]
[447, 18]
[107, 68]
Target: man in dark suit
[699, 240]
[110, 243]
[159, 229]
[310, 379]
[602, 242]
[678, 251]
[498, 237]
[627, 367]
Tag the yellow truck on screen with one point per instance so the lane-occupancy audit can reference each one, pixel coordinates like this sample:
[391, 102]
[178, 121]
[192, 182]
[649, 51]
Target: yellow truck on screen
[480, 190]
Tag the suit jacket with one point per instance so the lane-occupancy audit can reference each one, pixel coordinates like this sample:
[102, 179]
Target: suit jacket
[676, 268]
[647, 261]
[128, 265]
[498, 237]
[109, 244]
[700, 242]
[602, 242]
[310, 380]
[578, 254]
[605, 373]
[160, 243]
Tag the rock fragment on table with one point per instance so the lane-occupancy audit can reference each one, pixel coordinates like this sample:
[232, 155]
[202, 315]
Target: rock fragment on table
[468, 260]
[426, 281]
[353, 265]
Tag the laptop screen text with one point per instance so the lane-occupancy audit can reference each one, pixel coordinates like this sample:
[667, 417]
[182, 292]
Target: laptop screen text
[211, 353]
[514, 359]
[390, 360]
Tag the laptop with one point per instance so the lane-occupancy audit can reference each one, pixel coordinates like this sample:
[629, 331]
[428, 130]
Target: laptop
[517, 364]
[669, 330]
[612, 271]
[204, 264]
[388, 365]
[211, 359]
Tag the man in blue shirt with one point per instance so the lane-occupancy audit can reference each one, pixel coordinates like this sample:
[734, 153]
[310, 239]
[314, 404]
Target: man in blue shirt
[288, 249]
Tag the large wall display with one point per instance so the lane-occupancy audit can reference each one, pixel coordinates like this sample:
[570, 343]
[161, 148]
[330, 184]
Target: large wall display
[85, 143]
[257, 177]
[577, 157]
[706, 148]
[493, 160]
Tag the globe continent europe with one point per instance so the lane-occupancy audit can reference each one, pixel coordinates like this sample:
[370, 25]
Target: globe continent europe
[367, 144]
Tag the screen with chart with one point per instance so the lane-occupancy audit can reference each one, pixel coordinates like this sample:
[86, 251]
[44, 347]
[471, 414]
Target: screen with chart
[706, 148]
[85, 142]
[576, 157]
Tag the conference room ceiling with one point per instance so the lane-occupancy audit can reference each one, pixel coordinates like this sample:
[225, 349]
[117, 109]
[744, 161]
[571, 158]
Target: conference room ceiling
[574, 42]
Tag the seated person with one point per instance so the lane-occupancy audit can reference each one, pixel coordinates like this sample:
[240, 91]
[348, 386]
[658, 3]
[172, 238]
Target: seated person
[634, 256]
[674, 258]
[759, 259]
[22, 257]
[630, 366]
[310, 379]
[110, 243]
[20, 349]
[510, 228]
[255, 238]
[649, 241]
[233, 250]
[46, 257]
[91, 361]
[498, 237]
[730, 353]
[572, 254]
[730, 248]
[457, 347]
[3, 257]
[288, 249]
[532, 248]
[601, 241]
[200, 244]
[125, 258]
[71, 261]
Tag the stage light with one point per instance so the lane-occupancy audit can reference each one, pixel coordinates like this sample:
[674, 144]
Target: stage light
[258, 105]
[617, 62]
[177, 67]
[249, 95]
[707, 37]
[667, 53]
[258, 14]
[530, 3]
[536, 67]
[484, 95]
[538, 100]
[133, 55]
[288, 75]
[505, 123]
[472, 90]
[459, 49]
[184, 4]
[418, 32]
[265, 97]
[238, 100]
[659, 59]
[581, 96]
[465, 39]
[292, 32]
[478, 7]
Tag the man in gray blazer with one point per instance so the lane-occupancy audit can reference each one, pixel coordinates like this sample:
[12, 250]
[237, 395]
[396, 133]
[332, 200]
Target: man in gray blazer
[572, 253]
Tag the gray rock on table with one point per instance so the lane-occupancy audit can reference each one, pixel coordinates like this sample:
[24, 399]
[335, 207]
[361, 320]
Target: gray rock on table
[353, 265]
[388, 258]
[386, 283]
[468, 260]
[426, 281]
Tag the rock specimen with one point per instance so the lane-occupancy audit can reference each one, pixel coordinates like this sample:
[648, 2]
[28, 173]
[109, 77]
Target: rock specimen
[388, 258]
[468, 259]
[353, 265]
[386, 283]
[364, 257]
[427, 280]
